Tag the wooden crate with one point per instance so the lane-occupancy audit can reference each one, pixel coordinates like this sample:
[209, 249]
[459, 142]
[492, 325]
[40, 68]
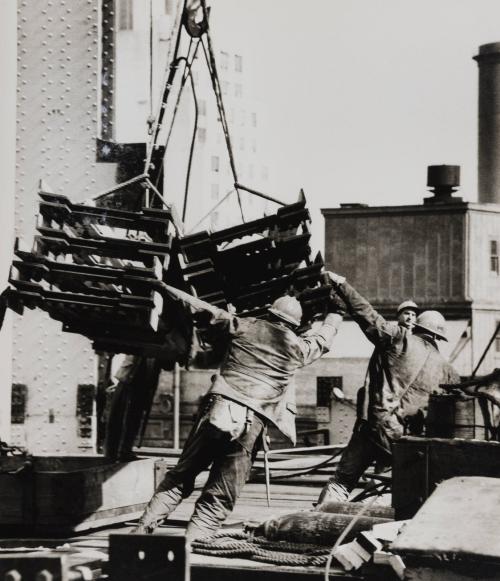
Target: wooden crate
[454, 536]
[69, 494]
[419, 464]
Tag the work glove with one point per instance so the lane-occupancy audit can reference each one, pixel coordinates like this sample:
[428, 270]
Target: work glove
[335, 279]
[336, 304]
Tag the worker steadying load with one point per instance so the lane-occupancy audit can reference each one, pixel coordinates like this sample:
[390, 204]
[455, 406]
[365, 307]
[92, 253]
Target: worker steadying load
[406, 316]
[253, 388]
[405, 369]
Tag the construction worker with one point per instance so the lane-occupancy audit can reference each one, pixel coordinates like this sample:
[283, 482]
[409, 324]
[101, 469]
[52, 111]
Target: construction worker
[405, 369]
[406, 314]
[252, 389]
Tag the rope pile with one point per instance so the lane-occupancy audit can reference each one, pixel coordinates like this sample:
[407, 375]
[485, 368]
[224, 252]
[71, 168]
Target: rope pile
[245, 545]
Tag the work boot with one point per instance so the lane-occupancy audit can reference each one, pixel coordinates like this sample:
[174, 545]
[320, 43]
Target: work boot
[333, 491]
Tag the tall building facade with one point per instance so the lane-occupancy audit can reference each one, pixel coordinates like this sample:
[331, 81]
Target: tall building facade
[143, 42]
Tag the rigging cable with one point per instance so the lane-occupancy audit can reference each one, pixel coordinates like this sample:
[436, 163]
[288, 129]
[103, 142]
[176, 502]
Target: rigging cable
[201, 220]
[193, 140]
[172, 69]
[150, 118]
[179, 95]
[214, 77]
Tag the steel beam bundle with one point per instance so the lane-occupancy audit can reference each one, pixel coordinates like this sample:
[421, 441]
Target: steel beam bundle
[249, 265]
[92, 268]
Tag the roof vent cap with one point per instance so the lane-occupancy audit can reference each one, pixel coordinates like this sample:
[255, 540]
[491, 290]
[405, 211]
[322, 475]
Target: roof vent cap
[443, 180]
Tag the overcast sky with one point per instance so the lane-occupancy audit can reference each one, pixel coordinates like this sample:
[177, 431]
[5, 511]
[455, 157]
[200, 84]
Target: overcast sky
[359, 95]
[362, 95]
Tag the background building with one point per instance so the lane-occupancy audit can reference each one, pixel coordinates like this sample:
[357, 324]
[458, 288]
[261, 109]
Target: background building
[143, 41]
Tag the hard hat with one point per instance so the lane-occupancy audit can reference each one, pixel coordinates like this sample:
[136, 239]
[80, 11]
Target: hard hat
[287, 308]
[434, 322]
[407, 305]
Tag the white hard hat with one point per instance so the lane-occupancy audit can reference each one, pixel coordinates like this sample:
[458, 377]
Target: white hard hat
[287, 308]
[434, 322]
[407, 305]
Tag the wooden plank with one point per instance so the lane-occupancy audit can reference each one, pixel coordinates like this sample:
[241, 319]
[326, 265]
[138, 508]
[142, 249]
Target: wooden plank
[84, 496]
[435, 530]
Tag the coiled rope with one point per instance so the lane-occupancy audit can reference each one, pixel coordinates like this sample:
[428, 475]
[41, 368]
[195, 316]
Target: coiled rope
[245, 545]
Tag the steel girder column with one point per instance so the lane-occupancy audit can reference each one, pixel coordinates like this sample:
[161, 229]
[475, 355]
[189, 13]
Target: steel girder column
[65, 76]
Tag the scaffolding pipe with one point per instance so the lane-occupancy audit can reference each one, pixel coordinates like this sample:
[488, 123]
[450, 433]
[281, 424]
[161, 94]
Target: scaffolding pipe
[177, 404]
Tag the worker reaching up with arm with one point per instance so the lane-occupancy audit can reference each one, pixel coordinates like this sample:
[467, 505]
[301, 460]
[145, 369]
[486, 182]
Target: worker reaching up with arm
[406, 368]
[252, 389]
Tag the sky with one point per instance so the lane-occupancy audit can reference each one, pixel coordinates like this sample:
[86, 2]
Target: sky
[356, 97]
[360, 96]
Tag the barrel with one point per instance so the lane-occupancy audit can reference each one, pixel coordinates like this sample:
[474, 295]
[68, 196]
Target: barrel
[451, 416]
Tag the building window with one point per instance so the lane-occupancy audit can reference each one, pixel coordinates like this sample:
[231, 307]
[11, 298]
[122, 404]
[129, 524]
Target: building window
[214, 220]
[225, 87]
[125, 15]
[238, 90]
[214, 193]
[254, 119]
[497, 344]
[494, 267]
[254, 146]
[224, 61]
[238, 63]
[265, 173]
[326, 388]
[169, 6]
[215, 163]
[202, 134]
[202, 107]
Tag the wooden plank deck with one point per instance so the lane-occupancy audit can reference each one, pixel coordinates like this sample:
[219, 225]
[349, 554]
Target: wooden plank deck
[251, 506]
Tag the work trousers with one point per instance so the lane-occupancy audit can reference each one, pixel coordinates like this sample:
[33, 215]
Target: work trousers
[367, 444]
[230, 460]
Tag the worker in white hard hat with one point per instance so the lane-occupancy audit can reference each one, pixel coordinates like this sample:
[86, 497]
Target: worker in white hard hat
[406, 314]
[253, 389]
[405, 369]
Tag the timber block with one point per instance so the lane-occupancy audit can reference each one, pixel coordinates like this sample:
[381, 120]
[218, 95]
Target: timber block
[455, 533]
[419, 464]
[70, 494]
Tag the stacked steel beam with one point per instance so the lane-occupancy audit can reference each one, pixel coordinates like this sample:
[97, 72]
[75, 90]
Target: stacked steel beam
[91, 268]
[250, 265]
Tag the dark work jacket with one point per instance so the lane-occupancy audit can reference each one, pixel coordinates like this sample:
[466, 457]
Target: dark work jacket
[261, 361]
[403, 371]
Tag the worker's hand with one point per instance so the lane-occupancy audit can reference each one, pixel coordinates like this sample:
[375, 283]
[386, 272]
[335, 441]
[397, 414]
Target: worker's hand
[336, 279]
[336, 304]
[459, 387]
[450, 386]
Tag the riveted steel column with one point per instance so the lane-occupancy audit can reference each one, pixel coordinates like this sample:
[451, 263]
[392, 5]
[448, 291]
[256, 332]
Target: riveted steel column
[108, 59]
[7, 187]
[58, 119]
